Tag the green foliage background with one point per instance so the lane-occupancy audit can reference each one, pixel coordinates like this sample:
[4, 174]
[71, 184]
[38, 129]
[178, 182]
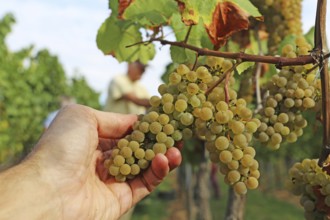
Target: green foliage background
[30, 86]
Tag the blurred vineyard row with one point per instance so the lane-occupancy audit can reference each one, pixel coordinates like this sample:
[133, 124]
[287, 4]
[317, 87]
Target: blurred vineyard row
[31, 83]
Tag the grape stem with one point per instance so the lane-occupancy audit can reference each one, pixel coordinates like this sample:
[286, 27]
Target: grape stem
[257, 72]
[227, 89]
[187, 35]
[222, 78]
[319, 45]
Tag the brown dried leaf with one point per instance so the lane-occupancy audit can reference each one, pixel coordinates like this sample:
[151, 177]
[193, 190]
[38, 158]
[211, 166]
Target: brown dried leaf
[227, 19]
[188, 16]
[123, 4]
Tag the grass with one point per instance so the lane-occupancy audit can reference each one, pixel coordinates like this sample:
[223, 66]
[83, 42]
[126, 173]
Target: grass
[259, 206]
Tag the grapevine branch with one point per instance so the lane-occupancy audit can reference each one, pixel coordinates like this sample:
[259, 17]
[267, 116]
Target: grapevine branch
[319, 44]
[279, 61]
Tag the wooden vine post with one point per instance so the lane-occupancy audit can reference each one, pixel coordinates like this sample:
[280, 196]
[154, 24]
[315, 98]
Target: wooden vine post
[320, 45]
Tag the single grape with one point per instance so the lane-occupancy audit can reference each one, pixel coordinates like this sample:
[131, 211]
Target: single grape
[163, 119]
[252, 183]
[247, 160]
[149, 154]
[206, 113]
[221, 143]
[114, 170]
[134, 145]
[139, 153]
[119, 160]
[154, 101]
[135, 169]
[233, 176]
[126, 152]
[125, 169]
[155, 127]
[225, 156]
[180, 105]
[240, 188]
[143, 163]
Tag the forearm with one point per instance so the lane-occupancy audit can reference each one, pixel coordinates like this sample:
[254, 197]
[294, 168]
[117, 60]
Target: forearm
[137, 101]
[26, 195]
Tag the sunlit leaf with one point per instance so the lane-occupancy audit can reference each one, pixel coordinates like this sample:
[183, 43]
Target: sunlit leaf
[114, 37]
[150, 13]
[310, 36]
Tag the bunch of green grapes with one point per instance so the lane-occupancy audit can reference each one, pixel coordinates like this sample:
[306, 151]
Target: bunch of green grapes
[291, 91]
[169, 119]
[186, 108]
[312, 184]
[283, 19]
[228, 134]
[227, 126]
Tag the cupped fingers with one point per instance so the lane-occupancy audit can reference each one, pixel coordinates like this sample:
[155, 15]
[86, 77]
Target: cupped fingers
[151, 178]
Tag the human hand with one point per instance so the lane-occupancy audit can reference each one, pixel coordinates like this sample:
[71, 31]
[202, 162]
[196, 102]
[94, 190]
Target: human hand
[67, 158]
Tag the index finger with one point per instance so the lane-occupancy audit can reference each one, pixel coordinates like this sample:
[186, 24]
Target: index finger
[114, 125]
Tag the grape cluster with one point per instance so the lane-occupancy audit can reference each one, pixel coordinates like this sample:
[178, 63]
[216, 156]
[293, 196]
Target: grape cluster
[188, 107]
[291, 91]
[168, 120]
[312, 184]
[227, 137]
[283, 19]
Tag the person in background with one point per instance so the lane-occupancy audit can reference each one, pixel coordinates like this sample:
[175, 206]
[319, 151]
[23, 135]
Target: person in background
[126, 94]
[64, 101]
[64, 176]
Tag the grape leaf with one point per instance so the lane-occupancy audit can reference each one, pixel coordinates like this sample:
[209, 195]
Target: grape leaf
[289, 39]
[226, 17]
[196, 36]
[190, 10]
[310, 36]
[115, 35]
[178, 54]
[123, 4]
[150, 13]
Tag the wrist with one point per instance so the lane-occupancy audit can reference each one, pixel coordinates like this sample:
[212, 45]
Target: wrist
[26, 193]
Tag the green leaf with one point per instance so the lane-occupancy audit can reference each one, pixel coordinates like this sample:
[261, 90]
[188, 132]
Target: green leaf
[310, 36]
[244, 66]
[191, 9]
[108, 36]
[113, 6]
[178, 54]
[247, 6]
[150, 13]
[115, 35]
[289, 39]
[196, 37]
[169, 69]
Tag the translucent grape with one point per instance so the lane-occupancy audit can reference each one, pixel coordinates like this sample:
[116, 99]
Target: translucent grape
[240, 188]
[181, 105]
[221, 143]
[125, 169]
[139, 153]
[252, 183]
[233, 176]
[225, 156]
